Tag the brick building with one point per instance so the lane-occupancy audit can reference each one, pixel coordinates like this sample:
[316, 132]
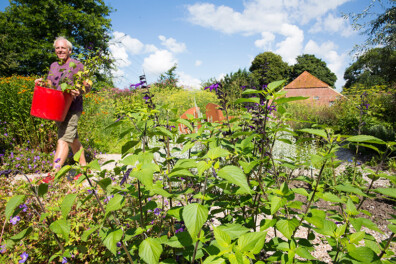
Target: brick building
[307, 85]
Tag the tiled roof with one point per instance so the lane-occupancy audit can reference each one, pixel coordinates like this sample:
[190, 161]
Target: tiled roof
[306, 80]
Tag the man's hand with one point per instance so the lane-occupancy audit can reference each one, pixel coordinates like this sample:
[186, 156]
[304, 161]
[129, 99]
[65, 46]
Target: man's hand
[75, 93]
[39, 81]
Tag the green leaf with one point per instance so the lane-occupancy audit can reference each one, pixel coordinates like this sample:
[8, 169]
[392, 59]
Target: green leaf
[61, 227]
[202, 166]
[365, 139]
[181, 173]
[356, 237]
[87, 233]
[284, 100]
[22, 234]
[276, 203]
[317, 132]
[129, 160]
[349, 189]
[77, 156]
[392, 228]
[253, 242]
[94, 165]
[175, 212]
[186, 123]
[62, 171]
[104, 184]
[351, 208]
[247, 167]
[111, 239]
[255, 100]
[234, 230]
[276, 84]
[330, 197]
[150, 250]
[222, 238]
[252, 91]
[127, 146]
[304, 253]
[194, 216]
[13, 203]
[67, 204]
[287, 227]
[267, 223]
[42, 189]
[391, 192]
[214, 260]
[115, 203]
[363, 254]
[217, 152]
[236, 176]
[163, 132]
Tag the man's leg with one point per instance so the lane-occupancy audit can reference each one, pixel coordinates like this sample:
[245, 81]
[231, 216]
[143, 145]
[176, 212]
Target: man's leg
[76, 146]
[62, 150]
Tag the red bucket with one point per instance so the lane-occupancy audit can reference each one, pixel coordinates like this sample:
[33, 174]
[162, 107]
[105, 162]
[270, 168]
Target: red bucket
[50, 104]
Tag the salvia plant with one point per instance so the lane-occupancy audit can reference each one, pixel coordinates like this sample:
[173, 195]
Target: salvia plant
[215, 195]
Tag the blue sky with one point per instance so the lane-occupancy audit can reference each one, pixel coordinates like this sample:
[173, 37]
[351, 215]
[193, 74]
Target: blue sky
[208, 39]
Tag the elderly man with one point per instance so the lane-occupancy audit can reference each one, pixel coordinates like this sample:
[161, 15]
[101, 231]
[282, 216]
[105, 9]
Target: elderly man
[64, 71]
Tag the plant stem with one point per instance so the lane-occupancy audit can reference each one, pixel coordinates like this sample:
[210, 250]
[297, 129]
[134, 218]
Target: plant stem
[109, 223]
[202, 202]
[49, 221]
[387, 245]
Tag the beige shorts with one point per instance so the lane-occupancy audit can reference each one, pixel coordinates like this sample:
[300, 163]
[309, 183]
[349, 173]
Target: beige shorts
[67, 130]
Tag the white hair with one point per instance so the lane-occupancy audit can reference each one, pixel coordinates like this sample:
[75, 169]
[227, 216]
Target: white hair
[68, 43]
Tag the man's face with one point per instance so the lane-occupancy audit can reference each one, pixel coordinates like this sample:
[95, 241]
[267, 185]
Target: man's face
[61, 50]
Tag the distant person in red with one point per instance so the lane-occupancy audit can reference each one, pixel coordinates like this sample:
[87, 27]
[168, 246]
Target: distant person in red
[64, 71]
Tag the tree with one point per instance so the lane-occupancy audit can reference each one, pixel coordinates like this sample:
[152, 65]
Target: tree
[314, 66]
[28, 29]
[268, 67]
[381, 30]
[375, 67]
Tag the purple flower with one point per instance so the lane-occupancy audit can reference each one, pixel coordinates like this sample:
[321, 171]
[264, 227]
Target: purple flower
[64, 260]
[136, 85]
[23, 207]
[118, 244]
[213, 87]
[107, 199]
[57, 160]
[2, 249]
[157, 211]
[14, 220]
[24, 257]
[179, 230]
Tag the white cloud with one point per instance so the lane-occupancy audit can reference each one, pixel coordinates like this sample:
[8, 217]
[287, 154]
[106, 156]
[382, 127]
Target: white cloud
[259, 15]
[333, 24]
[159, 62]
[172, 45]
[188, 81]
[327, 51]
[120, 55]
[265, 42]
[198, 63]
[291, 47]
[132, 45]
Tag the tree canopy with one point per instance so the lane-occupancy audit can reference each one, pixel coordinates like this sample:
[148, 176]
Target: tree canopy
[375, 67]
[268, 67]
[28, 29]
[314, 66]
[380, 30]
